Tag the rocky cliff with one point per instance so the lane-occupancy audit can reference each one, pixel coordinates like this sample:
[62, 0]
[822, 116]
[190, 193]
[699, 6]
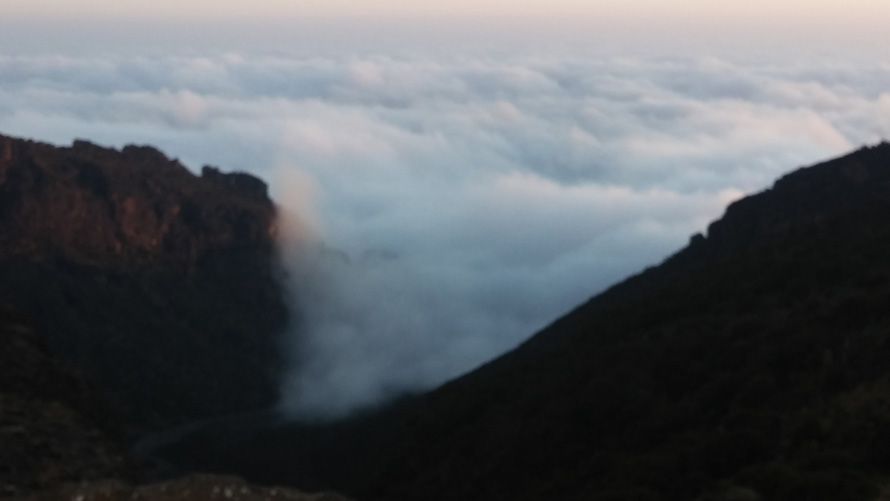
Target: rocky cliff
[158, 284]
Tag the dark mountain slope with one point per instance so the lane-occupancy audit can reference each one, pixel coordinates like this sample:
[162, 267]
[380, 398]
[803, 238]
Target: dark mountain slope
[159, 284]
[802, 201]
[753, 363]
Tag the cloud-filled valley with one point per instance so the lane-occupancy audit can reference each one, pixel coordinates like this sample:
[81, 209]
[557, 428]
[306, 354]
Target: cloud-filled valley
[450, 206]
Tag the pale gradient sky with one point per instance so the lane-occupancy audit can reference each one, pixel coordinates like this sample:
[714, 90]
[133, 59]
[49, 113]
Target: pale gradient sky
[856, 11]
[751, 29]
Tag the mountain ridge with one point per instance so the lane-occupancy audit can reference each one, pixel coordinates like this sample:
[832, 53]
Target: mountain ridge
[736, 224]
[662, 386]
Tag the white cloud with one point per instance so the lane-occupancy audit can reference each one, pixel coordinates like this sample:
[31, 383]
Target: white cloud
[471, 198]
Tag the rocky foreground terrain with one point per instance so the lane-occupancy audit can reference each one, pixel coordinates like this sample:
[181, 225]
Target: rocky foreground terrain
[190, 488]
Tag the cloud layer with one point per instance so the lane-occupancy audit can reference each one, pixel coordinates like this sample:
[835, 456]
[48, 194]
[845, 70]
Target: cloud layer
[450, 206]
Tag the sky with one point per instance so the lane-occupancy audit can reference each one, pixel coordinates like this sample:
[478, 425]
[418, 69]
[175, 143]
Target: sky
[453, 176]
[263, 9]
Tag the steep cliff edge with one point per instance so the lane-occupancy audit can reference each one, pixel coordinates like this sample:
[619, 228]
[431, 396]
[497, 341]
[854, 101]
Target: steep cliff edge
[159, 284]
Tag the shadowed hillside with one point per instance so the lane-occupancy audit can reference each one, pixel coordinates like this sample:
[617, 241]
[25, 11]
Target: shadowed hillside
[752, 364]
[56, 441]
[158, 284]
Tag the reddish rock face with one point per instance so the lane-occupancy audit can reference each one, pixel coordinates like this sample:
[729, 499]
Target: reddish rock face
[158, 283]
[133, 208]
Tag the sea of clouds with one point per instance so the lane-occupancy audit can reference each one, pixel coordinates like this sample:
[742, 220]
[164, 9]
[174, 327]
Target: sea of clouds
[440, 208]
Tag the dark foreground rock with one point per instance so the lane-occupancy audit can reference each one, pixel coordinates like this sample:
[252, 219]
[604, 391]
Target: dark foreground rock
[190, 488]
[52, 426]
[158, 284]
[58, 443]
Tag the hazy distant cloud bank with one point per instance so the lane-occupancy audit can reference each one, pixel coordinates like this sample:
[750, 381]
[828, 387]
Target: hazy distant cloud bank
[471, 200]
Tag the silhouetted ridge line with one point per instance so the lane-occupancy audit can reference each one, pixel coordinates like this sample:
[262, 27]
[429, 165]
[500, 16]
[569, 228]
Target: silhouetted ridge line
[797, 200]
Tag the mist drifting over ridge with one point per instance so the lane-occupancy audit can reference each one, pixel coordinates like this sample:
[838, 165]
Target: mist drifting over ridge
[464, 200]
